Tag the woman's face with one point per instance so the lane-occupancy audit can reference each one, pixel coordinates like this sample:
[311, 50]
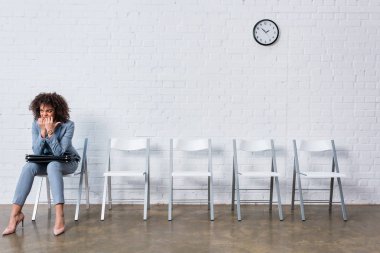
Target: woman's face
[46, 111]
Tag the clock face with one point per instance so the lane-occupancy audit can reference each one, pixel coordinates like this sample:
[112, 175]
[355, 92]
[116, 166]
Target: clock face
[266, 32]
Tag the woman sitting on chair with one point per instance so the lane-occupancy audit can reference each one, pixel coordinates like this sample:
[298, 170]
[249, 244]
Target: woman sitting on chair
[52, 132]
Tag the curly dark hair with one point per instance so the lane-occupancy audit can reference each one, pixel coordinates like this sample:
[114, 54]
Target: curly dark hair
[55, 100]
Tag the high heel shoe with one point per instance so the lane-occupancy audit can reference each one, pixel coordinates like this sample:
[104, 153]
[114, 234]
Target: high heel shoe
[59, 231]
[9, 230]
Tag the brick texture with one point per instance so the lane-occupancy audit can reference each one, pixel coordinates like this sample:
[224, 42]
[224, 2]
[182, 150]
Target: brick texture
[183, 69]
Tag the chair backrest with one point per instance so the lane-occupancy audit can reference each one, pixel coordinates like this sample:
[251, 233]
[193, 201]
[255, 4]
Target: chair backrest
[191, 145]
[80, 145]
[254, 146]
[123, 144]
[315, 146]
[128, 145]
[82, 150]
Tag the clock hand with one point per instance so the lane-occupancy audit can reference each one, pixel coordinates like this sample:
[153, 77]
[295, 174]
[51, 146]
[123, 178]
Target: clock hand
[263, 30]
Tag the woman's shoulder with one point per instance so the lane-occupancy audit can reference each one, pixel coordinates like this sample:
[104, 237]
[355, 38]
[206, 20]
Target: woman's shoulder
[35, 123]
[68, 123]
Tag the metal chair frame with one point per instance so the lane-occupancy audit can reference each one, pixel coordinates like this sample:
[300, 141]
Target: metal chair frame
[129, 146]
[83, 175]
[317, 146]
[191, 146]
[255, 146]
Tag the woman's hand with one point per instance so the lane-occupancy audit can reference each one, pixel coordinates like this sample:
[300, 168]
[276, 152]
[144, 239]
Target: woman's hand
[50, 125]
[41, 124]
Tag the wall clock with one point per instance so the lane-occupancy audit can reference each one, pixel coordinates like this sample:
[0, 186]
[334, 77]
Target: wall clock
[266, 32]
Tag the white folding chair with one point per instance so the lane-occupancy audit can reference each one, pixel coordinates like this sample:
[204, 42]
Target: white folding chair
[82, 174]
[191, 146]
[255, 146]
[123, 146]
[306, 173]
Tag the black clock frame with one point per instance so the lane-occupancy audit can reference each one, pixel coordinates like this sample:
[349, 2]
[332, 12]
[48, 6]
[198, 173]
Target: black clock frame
[254, 28]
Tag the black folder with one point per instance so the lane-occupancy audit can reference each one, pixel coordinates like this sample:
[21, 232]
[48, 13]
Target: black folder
[49, 158]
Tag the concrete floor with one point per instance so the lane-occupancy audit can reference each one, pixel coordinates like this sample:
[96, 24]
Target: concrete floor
[123, 230]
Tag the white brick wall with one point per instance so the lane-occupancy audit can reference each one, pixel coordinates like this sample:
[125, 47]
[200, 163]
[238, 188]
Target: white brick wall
[192, 69]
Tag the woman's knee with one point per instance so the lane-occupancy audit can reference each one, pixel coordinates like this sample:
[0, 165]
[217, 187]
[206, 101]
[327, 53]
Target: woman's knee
[54, 167]
[62, 168]
[30, 168]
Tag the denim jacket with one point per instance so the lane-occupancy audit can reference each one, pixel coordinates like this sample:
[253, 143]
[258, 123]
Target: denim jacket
[57, 144]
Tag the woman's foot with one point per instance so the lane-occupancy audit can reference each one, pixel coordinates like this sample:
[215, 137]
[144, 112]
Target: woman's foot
[58, 231]
[13, 223]
[59, 226]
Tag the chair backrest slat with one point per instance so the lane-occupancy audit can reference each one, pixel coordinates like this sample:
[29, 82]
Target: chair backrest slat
[128, 145]
[80, 146]
[122, 144]
[254, 146]
[190, 145]
[315, 146]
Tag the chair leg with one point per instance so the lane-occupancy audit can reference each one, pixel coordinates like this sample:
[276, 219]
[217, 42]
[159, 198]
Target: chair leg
[148, 190]
[146, 197]
[109, 193]
[271, 194]
[233, 191]
[293, 189]
[343, 205]
[87, 188]
[79, 198]
[208, 193]
[170, 205]
[280, 211]
[238, 197]
[211, 191]
[331, 194]
[37, 200]
[302, 207]
[104, 198]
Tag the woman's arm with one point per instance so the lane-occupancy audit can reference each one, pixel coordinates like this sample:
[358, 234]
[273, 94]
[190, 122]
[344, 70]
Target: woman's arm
[37, 141]
[59, 147]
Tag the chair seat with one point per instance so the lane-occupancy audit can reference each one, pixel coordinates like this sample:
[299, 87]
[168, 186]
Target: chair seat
[260, 174]
[80, 174]
[118, 150]
[321, 174]
[72, 174]
[191, 174]
[65, 175]
[124, 173]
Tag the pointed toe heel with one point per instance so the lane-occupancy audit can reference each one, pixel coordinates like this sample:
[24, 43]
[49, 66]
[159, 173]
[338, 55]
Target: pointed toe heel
[9, 230]
[58, 231]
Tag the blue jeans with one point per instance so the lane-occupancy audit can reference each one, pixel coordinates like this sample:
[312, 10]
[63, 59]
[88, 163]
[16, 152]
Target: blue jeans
[54, 171]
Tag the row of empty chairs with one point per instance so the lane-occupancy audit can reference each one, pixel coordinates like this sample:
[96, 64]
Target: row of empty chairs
[118, 148]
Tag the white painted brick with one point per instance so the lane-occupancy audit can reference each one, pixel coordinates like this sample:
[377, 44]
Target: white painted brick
[192, 69]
